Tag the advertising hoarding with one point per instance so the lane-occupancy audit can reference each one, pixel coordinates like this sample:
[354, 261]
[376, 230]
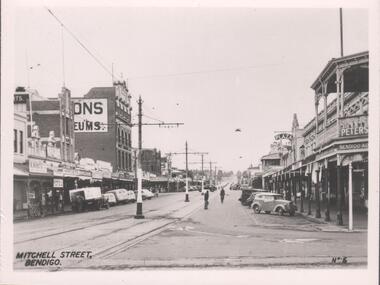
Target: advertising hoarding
[90, 115]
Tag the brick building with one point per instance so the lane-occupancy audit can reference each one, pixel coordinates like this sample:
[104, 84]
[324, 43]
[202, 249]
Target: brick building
[55, 119]
[103, 126]
[151, 161]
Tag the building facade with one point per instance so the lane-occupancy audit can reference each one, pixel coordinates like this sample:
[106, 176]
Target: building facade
[43, 145]
[151, 161]
[103, 126]
[329, 166]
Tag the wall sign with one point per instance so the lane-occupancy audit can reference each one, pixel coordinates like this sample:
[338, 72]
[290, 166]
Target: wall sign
[90, 115]
[283, 136]
[350, 146]
[37, 166]
[58, 183]
[353, 126]
[20, 98]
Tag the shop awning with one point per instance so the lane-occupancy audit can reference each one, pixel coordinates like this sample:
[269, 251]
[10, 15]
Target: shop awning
[20, 170]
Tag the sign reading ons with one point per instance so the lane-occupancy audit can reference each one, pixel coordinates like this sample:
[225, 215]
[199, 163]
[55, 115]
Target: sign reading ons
[90, 115]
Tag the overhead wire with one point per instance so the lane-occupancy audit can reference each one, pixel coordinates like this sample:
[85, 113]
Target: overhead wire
[80, 42]
[202, 71]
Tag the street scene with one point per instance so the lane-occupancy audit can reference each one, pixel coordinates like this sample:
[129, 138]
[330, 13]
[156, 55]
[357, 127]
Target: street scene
[156, 138]
[177, 235]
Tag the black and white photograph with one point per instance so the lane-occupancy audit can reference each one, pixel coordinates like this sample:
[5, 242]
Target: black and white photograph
[158, 138]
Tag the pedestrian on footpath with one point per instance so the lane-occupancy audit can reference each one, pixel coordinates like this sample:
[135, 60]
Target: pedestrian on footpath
[42, 204]
[206, 199]
[222, 193]
[61, 202]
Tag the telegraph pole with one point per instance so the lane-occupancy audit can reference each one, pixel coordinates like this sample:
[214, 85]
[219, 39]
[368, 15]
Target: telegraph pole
[215, 177]
[187, 153]
[210, 172]
[341, 31]
[187, 180]
[169, 169]
[139, 211]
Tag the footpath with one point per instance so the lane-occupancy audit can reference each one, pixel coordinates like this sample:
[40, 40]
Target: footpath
[360, 218]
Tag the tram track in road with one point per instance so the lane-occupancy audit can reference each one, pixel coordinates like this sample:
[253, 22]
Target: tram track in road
[93, 224]
[123, 246]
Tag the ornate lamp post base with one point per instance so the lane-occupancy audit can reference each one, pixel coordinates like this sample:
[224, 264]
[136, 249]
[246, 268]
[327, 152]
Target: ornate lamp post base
[139, 214]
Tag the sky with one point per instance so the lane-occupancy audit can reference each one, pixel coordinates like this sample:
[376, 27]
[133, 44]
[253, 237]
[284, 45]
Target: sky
[213, 69]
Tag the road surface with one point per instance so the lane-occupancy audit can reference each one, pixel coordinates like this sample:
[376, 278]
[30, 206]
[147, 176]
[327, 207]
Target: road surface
[179, 234]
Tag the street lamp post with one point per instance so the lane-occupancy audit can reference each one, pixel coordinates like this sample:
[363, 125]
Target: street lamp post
[139, 210]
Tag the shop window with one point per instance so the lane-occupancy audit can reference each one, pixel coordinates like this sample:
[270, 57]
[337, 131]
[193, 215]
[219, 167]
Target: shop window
[15, 140]
[21, 141]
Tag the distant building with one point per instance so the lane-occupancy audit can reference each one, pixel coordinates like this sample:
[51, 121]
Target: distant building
[103, 126]
[151, 161]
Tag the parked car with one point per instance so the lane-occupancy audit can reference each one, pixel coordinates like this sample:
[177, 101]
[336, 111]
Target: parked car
[250, 199]
[271, 202]
[235, 186]
[246, 193]
[131, 196]
[146, 194]
[121, 195]
[111, 198]
[83, 199]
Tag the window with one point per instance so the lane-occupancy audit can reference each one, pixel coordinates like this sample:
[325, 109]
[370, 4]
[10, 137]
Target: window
[21, 141]
[118, 158]
[118, 135]
[15, 140]
[122, 160]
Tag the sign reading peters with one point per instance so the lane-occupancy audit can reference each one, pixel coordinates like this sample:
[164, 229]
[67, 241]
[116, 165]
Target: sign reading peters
[90, 115]
[353, 126]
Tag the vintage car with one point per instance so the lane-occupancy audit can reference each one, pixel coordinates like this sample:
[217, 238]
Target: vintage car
[131, 196]
[250, 199]
[111, 198]
[122, 196]
[246, 193]
[83, 199]
[271, 202]
[146, 194]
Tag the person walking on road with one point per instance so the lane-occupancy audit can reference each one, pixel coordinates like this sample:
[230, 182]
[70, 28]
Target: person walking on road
[206, 199]
[222, 194]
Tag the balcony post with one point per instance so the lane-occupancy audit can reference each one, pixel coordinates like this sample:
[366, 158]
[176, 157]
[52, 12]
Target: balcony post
[301, 188]
[326, 187]
[339, 216]
[324, 94]
[317, 196]
[316, 114]
[309, 192]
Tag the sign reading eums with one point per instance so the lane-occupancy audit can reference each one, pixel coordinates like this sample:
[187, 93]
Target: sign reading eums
[90, 115]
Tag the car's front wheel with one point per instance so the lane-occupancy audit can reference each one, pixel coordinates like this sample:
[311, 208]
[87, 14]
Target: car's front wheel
[256, 209]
